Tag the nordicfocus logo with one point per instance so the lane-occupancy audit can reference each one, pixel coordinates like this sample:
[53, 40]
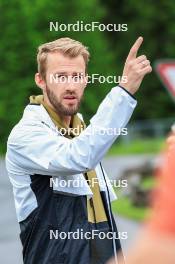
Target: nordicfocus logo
[92, 26]
[81, 78]
[81, 183]
[109, 131]
[89, 235]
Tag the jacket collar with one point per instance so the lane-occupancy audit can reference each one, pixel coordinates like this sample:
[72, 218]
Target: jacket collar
[37, 113]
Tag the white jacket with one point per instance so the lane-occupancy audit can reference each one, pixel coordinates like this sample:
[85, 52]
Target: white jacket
[35, 146]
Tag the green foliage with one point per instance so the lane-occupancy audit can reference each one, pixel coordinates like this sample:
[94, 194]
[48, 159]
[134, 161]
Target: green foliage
[25, 25]
[155, 22]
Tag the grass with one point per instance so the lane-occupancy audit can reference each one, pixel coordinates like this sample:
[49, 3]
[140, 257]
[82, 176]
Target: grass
[139, 146]
[124, 207]
[148, 183]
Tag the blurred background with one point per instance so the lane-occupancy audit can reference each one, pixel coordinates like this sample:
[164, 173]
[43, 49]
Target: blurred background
[24, 25]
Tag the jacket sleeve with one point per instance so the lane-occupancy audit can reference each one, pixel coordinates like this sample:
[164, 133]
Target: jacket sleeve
[36, 149]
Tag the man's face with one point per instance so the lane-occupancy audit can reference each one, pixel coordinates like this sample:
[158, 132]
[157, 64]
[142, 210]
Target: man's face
[65, 82]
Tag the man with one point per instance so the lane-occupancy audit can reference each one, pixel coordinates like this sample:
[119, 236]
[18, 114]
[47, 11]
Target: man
[60, 187]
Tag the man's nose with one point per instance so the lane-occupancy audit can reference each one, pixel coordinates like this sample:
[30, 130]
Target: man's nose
[71, 85]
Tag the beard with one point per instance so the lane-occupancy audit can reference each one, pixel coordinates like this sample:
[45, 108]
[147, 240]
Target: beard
[60, 109]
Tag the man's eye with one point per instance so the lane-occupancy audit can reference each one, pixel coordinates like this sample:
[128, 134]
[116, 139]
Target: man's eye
[61, 76]
[79, 76]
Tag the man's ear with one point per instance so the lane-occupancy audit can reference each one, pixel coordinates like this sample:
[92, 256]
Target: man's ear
[40, 82]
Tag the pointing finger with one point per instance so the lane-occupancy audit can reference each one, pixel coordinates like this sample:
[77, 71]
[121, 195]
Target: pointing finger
[133, 51]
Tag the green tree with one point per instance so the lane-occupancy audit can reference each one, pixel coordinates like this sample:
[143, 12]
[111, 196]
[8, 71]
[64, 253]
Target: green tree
[155, 22]
[24, 26]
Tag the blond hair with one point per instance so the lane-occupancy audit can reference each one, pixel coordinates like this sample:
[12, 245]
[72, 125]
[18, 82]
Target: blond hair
[67, 46]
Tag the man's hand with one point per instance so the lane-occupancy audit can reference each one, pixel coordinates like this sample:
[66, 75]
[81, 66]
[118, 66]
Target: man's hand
[135, 68]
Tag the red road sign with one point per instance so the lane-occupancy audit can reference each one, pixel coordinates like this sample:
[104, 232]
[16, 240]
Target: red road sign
[166, 72]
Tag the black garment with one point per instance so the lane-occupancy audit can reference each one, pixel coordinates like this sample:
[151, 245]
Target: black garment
[58, 213]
